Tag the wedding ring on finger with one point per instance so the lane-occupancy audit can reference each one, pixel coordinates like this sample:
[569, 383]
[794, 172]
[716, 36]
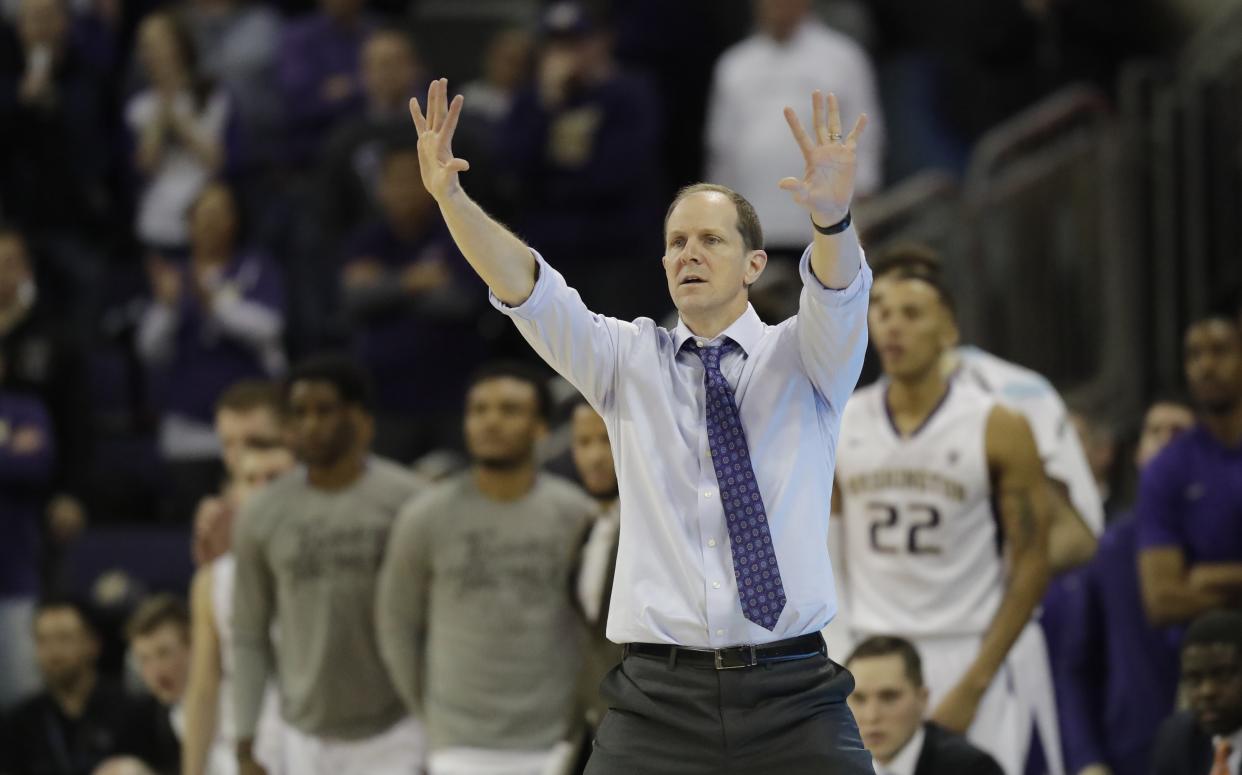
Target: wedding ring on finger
[834, 137]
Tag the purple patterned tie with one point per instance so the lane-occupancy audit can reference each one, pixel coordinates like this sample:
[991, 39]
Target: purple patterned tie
[754, 557]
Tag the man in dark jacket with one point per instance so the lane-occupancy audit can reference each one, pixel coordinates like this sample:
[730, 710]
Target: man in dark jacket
[1206, 739]
[889, 701]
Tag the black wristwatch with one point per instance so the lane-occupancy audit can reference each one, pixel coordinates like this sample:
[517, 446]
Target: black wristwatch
[835, 228]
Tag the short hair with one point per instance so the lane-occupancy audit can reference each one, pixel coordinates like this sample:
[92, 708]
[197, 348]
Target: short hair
[907, 256]
[1216, 627]
[352, 383]
[887, 646]
[934, 280]
[747, 218]
[85, 612]
[520, 371]
[249, 395]
[156, 612]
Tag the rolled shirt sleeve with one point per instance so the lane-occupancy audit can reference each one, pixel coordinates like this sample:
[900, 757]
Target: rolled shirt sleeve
[832, 331]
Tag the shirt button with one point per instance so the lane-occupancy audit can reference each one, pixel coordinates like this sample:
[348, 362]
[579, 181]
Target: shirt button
[702, 342]
[720, 632]
[707, 493]
[715, 585]
[711, 542]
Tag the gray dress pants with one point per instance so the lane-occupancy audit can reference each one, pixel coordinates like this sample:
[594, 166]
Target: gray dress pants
[788, 718]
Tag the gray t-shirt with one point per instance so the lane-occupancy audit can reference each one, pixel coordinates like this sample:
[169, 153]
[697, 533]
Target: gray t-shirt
[307, 561]
[477, 619]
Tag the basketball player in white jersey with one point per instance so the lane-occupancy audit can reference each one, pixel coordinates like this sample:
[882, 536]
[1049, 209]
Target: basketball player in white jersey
[1078, 509]
[945, 521]
[209, 743]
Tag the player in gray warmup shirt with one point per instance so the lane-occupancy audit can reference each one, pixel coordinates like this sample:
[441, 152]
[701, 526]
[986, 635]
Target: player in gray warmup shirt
[308, 551]
[477, 618]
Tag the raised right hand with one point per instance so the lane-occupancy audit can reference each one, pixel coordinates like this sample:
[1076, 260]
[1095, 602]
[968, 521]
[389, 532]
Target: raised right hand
[438, 166]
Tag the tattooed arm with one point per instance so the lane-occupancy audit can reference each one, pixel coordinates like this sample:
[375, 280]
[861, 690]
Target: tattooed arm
[1018, 481]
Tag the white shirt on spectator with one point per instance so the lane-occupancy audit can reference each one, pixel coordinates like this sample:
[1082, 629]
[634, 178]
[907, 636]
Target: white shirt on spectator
[907, 759]
[748, 145]
[168, 193]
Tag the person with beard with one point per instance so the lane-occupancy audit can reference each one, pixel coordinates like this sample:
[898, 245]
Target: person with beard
[308, 551]
[477, 624]
[80, 718]
[1207, 737]
[1189, 508]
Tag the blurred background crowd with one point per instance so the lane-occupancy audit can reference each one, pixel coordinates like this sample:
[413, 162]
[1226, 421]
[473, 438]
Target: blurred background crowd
[198, 193]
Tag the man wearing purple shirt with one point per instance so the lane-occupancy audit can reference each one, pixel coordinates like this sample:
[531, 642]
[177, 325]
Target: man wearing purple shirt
[1189, 508]
[1116, 674]
[319, 74]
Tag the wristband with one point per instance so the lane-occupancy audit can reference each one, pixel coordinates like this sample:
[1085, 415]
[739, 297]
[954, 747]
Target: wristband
[836, 228]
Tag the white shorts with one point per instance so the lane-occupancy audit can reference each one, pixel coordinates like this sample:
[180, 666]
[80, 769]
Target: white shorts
[1019, 700]
[400, 750]
[481, 761]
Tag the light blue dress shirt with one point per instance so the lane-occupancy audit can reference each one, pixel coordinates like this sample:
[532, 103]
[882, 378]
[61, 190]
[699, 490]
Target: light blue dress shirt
[674, 580]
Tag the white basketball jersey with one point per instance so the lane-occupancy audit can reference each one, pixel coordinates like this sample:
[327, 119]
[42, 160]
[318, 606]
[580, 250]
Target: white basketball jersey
[223, 571]
[921, 536]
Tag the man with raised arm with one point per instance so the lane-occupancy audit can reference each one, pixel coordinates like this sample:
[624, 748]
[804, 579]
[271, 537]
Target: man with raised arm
[725, 431]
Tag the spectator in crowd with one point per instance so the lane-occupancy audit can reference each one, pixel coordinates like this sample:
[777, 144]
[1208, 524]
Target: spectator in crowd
[42, 359]
[410, 305]
[27, 459]
[1099, 444]
[506, 71]
[592, 457]
[1078, 514]
[485, 558]
[890, 701]
[210, 741]
[1207, 737]
[791, 52]
[582, 143]
[308, 551]
[179, 129]
[1189, 509]
[927, 465]
[58, 129]
[214, 320]
[319, 73]
[80, 718]
[354, 153]
[1116, 674]
[248, 416]
[159, 643]
[237, 41]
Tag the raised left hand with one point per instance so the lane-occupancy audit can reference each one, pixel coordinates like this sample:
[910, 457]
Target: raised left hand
[827, 184]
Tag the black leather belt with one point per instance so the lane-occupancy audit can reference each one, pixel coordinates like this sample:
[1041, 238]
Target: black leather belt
[733, 657]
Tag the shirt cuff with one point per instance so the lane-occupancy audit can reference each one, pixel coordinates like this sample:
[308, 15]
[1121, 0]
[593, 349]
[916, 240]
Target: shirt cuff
[834, 297]
[545, 278]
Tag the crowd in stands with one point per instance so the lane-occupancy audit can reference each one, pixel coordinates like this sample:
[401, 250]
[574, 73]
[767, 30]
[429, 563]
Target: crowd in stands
[196, 196]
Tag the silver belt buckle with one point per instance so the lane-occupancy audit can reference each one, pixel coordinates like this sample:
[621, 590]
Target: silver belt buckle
[720, 665]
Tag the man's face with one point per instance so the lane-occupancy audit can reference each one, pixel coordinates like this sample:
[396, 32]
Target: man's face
[259, 467]
[42, 22]
[910, 326]
[213, 221]
[1162, 423]
[163, 657]
[324, 428]
[238, 430]
[388, 68]
[592, 453]
[14, 270]
[65, 647]
[502, 422]
[706, 263]
[1214, 365]
[1212, 678]
[887, 706]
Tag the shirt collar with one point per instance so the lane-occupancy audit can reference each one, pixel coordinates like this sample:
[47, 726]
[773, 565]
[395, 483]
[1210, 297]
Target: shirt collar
[746, 331]
[908, 757]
